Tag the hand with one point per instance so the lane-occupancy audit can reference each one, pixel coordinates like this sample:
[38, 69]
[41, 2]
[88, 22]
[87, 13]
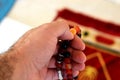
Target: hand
[36, 49]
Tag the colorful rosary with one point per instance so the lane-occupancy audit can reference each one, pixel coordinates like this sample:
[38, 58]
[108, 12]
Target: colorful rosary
[63, 58]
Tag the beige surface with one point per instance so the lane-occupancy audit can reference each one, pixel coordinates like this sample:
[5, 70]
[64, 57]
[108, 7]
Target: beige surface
[36, 12]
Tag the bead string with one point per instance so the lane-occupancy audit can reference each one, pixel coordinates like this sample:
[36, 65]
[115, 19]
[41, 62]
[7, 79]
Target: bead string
[63, 58]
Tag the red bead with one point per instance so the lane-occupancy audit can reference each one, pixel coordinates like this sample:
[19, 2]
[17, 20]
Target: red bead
[59, 65]
[67, 61]
[69, 77]
[69, 72]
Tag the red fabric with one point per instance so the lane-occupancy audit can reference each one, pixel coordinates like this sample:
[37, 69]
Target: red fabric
[88, 21]
[104, 40]
[111, 69]
[112, 64]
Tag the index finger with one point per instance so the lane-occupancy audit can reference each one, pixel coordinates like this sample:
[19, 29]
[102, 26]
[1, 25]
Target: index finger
[77, 43]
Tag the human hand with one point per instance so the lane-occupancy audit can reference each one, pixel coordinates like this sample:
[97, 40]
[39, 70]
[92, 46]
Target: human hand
[36, 49]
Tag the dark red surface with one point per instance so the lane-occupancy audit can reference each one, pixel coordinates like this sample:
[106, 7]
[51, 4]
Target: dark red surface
[104, 40]
[112, 63]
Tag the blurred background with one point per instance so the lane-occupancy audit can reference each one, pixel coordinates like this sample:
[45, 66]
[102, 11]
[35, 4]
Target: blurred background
[36, 12]
[100, 25]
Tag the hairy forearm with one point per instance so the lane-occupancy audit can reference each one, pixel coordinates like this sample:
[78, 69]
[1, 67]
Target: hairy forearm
[7, 64]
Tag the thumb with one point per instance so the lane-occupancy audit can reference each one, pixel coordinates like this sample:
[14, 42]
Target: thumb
[63, 30]
[60, 29]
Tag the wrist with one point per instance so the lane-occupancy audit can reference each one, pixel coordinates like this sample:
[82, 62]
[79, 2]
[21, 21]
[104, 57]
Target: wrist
[7, 65]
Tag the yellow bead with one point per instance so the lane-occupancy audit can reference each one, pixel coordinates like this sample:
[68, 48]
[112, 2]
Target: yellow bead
[73, 31]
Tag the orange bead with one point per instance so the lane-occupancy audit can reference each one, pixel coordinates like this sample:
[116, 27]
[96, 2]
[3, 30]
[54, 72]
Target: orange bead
[73, 31]
[77, 29]
[68, 66]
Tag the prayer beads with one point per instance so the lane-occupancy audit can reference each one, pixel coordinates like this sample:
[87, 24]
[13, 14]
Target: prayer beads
[63, 58]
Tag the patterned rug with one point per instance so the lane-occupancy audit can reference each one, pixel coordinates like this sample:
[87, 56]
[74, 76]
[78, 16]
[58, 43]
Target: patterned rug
[102, 39]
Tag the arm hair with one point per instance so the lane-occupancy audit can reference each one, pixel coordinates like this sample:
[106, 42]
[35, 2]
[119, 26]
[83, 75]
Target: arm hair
[6, 65]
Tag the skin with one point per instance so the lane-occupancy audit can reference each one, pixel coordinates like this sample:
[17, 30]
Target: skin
[32, 56]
